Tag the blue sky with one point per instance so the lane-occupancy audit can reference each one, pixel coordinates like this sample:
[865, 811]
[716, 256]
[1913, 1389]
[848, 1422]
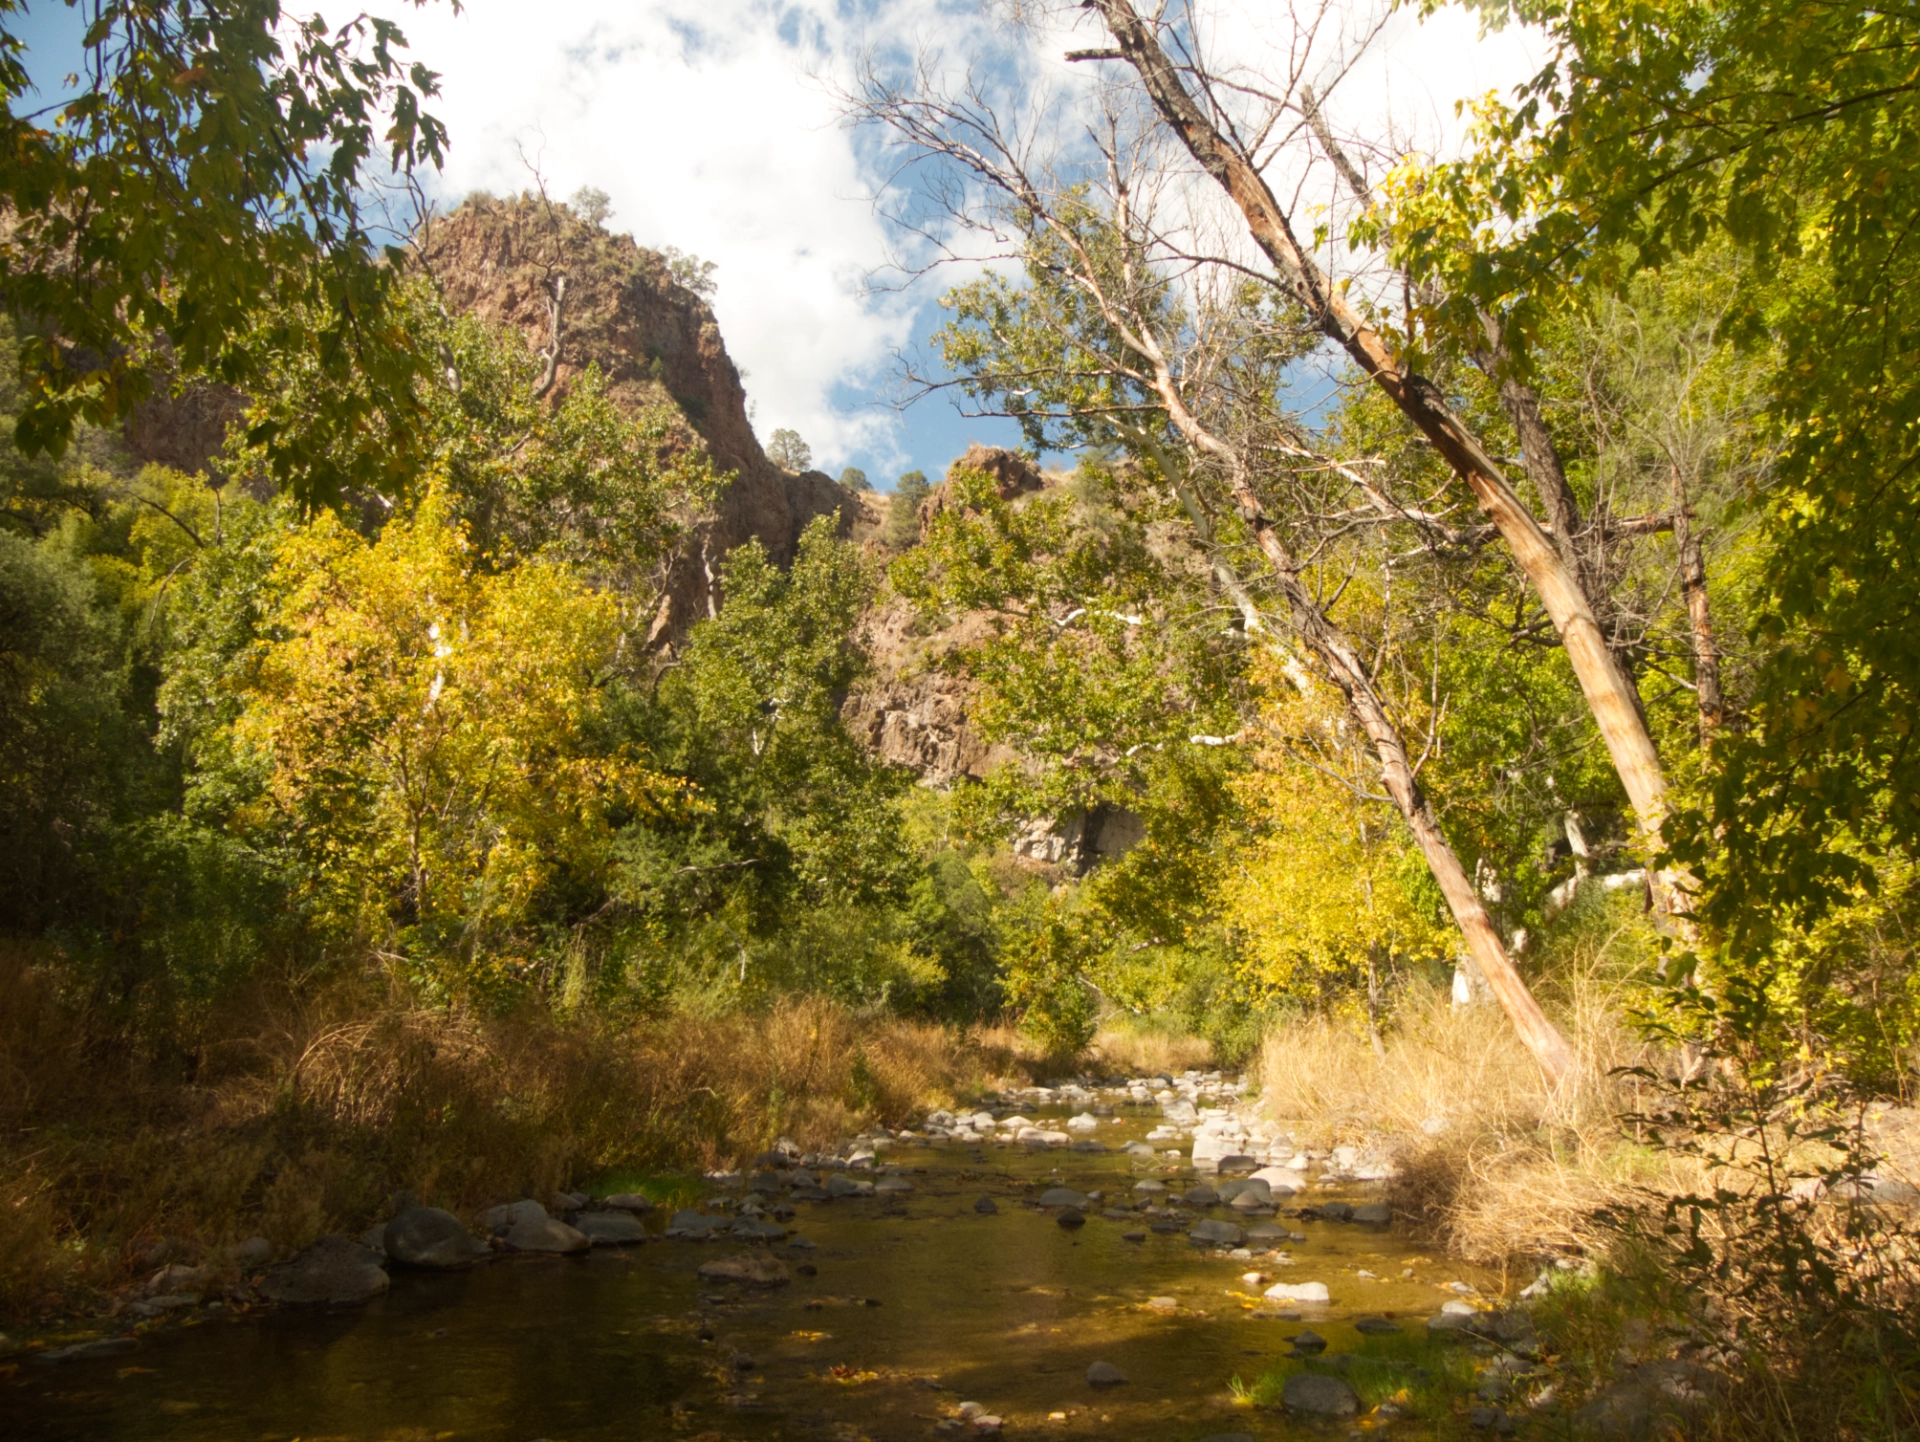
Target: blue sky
[712, 127]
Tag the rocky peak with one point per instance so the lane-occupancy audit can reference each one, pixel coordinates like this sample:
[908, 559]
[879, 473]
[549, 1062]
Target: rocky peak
[523, 264]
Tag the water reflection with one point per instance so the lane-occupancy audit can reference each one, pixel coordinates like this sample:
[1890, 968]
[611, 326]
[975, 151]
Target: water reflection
[918, 1304]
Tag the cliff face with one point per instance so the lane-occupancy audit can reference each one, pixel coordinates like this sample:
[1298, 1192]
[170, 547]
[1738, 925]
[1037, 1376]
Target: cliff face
[654, 341]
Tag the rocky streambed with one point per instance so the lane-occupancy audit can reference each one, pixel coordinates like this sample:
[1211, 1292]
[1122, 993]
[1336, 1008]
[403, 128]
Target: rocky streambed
[1118, 1261]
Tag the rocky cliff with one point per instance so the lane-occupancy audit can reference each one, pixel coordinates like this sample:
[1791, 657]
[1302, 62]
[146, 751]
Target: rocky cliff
[619, 307]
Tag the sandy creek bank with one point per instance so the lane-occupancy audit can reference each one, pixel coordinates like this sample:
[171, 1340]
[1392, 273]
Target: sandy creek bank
[901, 1306]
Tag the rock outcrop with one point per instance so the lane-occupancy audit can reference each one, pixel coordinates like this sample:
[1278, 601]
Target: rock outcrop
[654, 341]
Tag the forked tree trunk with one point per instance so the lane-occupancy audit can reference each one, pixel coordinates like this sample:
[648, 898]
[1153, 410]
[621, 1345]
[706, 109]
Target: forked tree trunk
[1609, 694]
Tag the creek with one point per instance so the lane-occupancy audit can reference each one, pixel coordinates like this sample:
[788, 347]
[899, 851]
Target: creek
[917, 1303]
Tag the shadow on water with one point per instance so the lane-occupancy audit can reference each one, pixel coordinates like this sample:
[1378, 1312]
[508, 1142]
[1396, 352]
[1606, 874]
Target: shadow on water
[916, 1306]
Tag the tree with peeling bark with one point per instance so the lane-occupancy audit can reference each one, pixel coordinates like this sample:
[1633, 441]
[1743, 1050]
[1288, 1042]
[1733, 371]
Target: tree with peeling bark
[1124, 336]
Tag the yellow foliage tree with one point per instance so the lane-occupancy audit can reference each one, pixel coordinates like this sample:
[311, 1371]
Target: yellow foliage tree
[1321, 900]
[423, 725]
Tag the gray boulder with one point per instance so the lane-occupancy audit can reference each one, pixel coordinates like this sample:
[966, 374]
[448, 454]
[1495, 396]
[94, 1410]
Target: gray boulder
[1201, 1195]
[842, 1185]
[499, 1220]
[429, 1238]
[1105, 1374]
[333, 1272]
[1374, 1213]
[696, 1226]
[610, 1229]
[253, 1252]
[544, 1234]
[629, 1202]
[1210, 1233]
[1064, 1197]
[1313, 1395]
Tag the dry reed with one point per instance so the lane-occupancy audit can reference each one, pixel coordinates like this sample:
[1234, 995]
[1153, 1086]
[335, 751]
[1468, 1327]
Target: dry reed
[1491, 1162]
[1148, 1051]
[313, 1108]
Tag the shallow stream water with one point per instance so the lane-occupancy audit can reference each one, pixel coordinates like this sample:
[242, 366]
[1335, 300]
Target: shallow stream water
[918, 1304]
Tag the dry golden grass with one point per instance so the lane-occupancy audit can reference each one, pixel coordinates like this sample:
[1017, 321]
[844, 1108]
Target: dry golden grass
[1148, 1051]
[1492, 1163]
[311, 1110]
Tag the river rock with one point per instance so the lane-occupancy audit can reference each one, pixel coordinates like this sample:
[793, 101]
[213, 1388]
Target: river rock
[893, 1185]
[1105, 1374]
[1267, 1233]
[1297, 1292]
[1251, 1202]
[634, 1202]
[1313, 1395]
[1376, 1214]
[1064, 1197]
[1236, 1164]
[1210, 1233]
[754, 1229]
[753, 1269]
[499, 1220]
[1309, 1344]
[334, 1271]
[1133, 1236]
[544, 1234]
[253, 1252]
[86, 1351]
[1260, 1191]
[1280, 1181]
[567, 1201]
[842, 1185]
[179, 1280]
[429, 1238]
[1376, 1327]
[695, 1226]
[1150, 1188]
[1336, 1211]
[1085, 1122]
[610, 1229]
[986, 1206]
[1139, 1149]
[1201, 1195]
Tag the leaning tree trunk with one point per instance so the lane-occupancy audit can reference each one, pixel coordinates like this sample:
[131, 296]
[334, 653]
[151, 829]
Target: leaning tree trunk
[1343, 665]
[1609, 694]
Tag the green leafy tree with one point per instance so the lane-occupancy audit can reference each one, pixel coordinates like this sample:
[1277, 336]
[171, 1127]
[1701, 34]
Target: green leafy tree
[855, 479]
[787, 449]
[217, 157]
[903, 510]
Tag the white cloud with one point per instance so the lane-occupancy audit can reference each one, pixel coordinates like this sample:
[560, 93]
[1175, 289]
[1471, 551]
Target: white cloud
[701, 121]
